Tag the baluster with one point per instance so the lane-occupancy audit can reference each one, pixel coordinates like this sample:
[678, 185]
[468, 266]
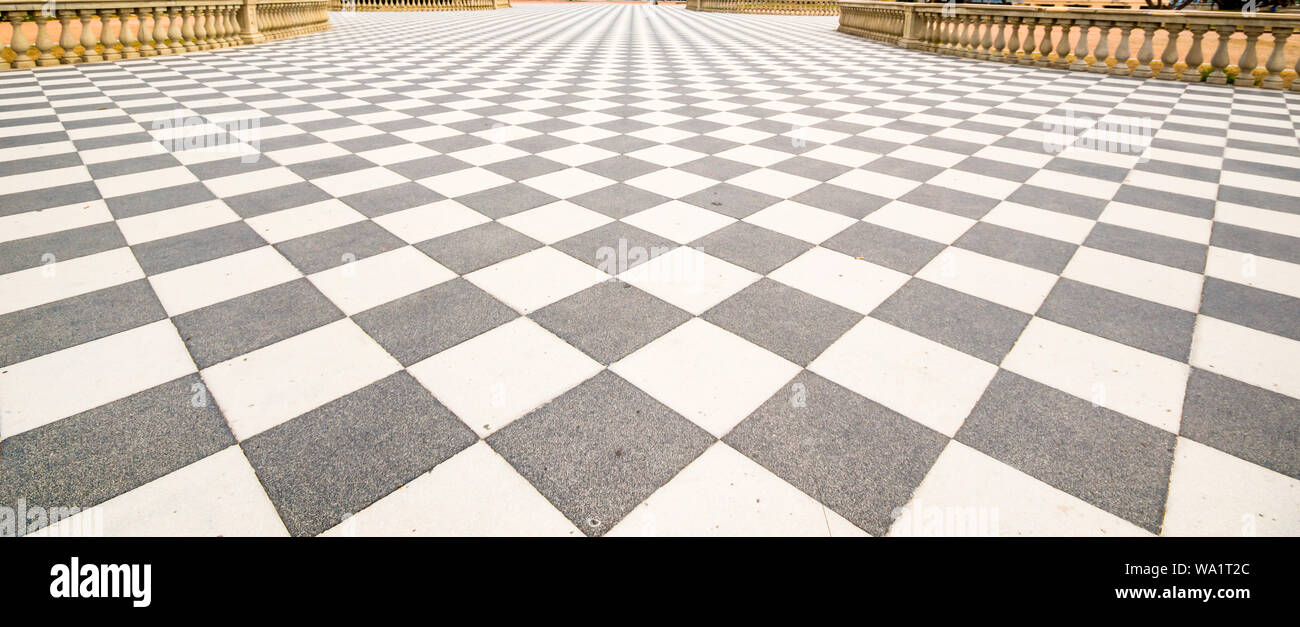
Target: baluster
[222, 26]
[106, 35]
[66, 40]
[175, 38]
[1147, 52]
[18, 42]
[1219, 75]
[44, 43]
[996, 53]
[1122, 52]
[986, 40]
[200, 28]
[146, 34]
[968, 37]
[89, 41]
[1013, 44]
[187, 29]
[160, 32]
[1045, 45]
[1249, 59]
[1063, 46]
[1277, 59]
[1080, 62]
[1170, 55]
[128, 38]
[1192, 74]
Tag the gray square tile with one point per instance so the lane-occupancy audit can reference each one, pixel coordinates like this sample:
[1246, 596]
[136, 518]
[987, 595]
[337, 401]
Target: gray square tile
[1255, 242]
[841, 200]
[88, 458]
[1151, 247]
[505, 200]
[969, 324]
[423, 324]
[1026, 249]
[731, 200]
[965, 204]
[619, 200]
[240, 325]
[1267, 311]
[620, 168]
[858, 457]
[887, 247]
[1101, 456]
[393, 198]
[1255, 424]
[467, 250]
[600, 449]
[254, 204]
[1059, 201]
[615, 247]
[187, 249]
[610, 320]
[525, 167]
[784, 320]
[337, 459]
[752, 247]
[716, 168]
[43, 329]
[31, 252]
[334, 247]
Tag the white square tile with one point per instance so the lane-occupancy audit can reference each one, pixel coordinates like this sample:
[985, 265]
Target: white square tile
[304, 154]
[275, 383]
[665, 155]
[1011, 284]
[159, 224]
[287, 224]
[678, 221]
[933, 225]
[568, 183]
[723, 493]
[488, 154]
[536, 279]
[1053, 224]
[801, 221]
[709, 375]
[425, 222]
[123, 185]
[1212, 493]
[875, 183]
[690, 279]
[399, 153]
[531, 366]
[62, 279]
[1074, 184]
[359, 285]
[56, 385]
[359, 181]
[475, 493]
[1106, 373]
[1262, 359]
[755, 156]
[987, 186]
[1003, 501]
[32, 223]
[189, 288]
[1165, 223]
[556, 221]
[577, 154]
[836, 277]
[926, 381]
[217, 496]
[464, 182]
[1261, 272]
[1135, 277]
[774, 183]
[672, 183]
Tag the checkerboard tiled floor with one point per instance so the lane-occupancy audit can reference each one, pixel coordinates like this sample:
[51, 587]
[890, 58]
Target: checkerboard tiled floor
[851, 288]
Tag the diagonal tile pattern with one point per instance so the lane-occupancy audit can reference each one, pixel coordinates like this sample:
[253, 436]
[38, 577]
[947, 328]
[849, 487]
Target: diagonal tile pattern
[566, 270]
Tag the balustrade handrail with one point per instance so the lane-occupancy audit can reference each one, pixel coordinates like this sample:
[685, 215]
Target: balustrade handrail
[994, 33]
[146, 28]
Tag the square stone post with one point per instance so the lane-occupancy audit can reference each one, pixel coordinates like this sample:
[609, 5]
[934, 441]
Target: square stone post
[248, 32]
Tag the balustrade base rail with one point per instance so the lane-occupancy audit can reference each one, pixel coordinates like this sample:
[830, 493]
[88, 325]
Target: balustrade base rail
[767, 7]
[1041, 36]
[89, 32]
[417, 5]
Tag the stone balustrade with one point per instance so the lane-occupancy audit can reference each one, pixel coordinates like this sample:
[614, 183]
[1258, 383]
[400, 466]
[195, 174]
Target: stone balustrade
[417, 5]
[770, 7]
[107, 31]
[1059, 38]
